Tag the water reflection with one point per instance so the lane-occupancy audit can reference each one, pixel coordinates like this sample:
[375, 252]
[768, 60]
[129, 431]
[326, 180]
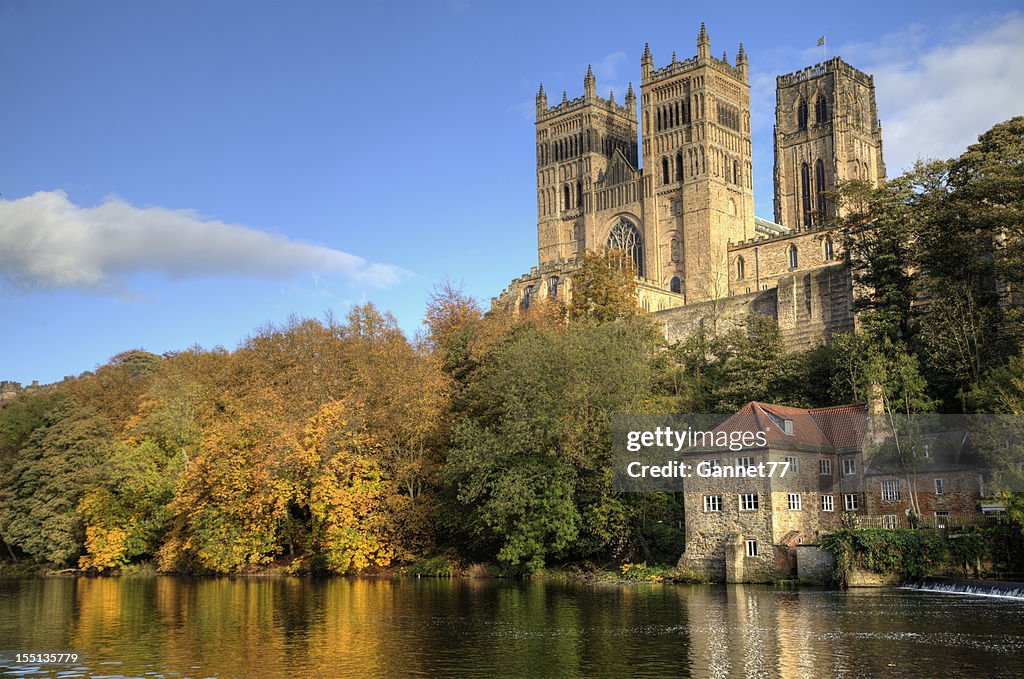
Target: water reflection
[287, 627]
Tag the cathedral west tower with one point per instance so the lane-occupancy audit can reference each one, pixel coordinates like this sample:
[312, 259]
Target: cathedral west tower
[582, 144]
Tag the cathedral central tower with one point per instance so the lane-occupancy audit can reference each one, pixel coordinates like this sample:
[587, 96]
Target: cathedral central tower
[698, 192]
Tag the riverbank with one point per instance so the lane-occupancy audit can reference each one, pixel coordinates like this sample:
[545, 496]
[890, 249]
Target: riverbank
[436, 567]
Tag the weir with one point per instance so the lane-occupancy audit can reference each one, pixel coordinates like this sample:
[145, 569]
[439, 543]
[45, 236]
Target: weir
[989, 588]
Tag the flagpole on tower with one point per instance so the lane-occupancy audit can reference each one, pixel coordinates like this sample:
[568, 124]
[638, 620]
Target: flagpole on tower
[824, 48]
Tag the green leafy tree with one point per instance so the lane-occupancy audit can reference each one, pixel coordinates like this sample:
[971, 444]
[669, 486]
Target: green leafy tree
[47, 477]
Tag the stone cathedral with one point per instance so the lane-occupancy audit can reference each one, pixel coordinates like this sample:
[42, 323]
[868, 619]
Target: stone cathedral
[685, 214]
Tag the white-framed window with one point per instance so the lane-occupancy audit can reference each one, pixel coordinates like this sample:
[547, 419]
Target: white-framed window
[891, 491]
[712, 503]
[748, 502]
[850, 502]
[751, 547]
[795, 502]
[794, 464]
[939, 487]
[828, 503]
[715, 464]
[849, 466]
[825, 466]
[745, 461]
[889, 521]
[941, 519]
[787, 427]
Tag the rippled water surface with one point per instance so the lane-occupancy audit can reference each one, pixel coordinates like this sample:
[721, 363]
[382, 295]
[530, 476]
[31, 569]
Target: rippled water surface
[270, 628]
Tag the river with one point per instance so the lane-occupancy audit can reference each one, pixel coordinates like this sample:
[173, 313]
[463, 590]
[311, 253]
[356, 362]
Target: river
[293, 628]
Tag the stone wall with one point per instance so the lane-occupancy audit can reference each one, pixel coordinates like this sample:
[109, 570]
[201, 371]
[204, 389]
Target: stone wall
[716, 316]
[814, 566]
[759, 263]
[810, 307]
[961, 491]
[862, 578]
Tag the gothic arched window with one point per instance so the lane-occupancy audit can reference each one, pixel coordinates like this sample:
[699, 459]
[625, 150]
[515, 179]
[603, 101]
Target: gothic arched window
[741, 269]
[624, 236]
[827, 249]
[735, 172]
[794, 259]
[819, 185]
[568, 198]
[664, 170]
[579, 194]
[801, 115]
[805, 190]
[527, 294]
[679, 166]
[675, 285]
[553, 287]
[820, 110]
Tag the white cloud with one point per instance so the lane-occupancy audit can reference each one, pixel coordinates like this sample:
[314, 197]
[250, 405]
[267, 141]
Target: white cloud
[46, 241]
[937, 87]
[934, 102]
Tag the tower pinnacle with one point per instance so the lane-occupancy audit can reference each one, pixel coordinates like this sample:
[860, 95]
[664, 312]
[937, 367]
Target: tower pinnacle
[646, 62]
[703, 43]
[589, 84]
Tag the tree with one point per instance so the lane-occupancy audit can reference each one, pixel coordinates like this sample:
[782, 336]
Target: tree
[875, 235]
[604, 288]
[231, 508]
[126, 511]
[530, 462]
[755, 367]
[344, 490]
[897, 397]
[40, 490]
[988, 179]
[450, 311]
[405, 398]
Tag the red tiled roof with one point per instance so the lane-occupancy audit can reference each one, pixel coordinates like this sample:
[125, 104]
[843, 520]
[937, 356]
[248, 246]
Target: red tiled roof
[835, 427]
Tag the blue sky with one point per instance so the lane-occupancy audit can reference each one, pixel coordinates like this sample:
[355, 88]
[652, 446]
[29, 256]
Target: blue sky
[174, 173]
